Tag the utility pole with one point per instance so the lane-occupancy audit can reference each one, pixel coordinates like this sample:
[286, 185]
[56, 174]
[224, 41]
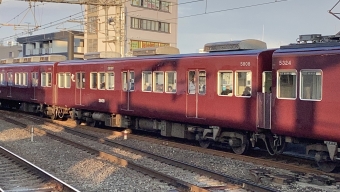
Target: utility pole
[119, 33]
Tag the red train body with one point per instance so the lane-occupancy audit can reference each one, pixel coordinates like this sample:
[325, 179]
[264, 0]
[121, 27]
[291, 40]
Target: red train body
[239, 98]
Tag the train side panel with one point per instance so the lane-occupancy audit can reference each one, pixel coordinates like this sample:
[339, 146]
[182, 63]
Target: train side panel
[304, 116]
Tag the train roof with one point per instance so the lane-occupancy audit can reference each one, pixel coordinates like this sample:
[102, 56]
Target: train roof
[165, 57]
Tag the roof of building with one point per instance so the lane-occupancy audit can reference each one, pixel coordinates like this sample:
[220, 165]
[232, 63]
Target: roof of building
[49, 36]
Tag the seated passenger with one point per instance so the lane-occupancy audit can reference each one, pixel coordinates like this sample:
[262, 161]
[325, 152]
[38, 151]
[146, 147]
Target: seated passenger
[226, 90]
[246, 91]
[102, 85]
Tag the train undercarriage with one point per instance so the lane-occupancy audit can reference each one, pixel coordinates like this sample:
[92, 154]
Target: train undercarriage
[326, 153]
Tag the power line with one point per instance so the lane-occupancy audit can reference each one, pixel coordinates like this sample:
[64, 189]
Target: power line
[187, 16]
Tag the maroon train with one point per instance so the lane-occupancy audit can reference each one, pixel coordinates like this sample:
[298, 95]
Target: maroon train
[239, 94]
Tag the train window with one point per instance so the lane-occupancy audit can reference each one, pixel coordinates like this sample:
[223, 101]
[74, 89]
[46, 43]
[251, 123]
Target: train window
[49, 79]
[16, 79]
[43, 79]
[132, 80]
[24, 79]
[125, 80]
[286, 88]
[2, 79]
[170, 81]
[311, 85]
[34, 79]
[202, 82]
[243, 83]
[101, 80]
[110, 79]
[10, 78]
[147, 81]
[67, 80]
[46, 79]
[61, 80]
[93, 80]
[267, 82]
[191, 82]
[158, 84]
[225, 83]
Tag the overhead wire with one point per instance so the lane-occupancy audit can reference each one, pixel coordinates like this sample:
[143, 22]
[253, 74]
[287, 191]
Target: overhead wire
[68, 17]
[181, 17]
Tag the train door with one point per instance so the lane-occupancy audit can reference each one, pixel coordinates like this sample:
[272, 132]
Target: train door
[34, 84]
[80, 85]
[128, 87]
[196, 81]
[9, 83]
[264, 100]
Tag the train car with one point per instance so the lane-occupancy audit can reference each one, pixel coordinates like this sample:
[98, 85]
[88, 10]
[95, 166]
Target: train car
[29, 86]
[305, 102]
[210, 97]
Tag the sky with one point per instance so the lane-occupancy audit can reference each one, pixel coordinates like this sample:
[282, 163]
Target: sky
[276, 22]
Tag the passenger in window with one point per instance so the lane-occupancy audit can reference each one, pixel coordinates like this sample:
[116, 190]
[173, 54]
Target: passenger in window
[246, 91]
[102, 85]
[192, 86]
[226, 90]
[202, 89]
[148, 87]
[170, 89]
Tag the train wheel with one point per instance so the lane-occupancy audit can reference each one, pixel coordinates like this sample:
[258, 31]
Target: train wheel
[327, 166]
[204, 143]
[243, 149]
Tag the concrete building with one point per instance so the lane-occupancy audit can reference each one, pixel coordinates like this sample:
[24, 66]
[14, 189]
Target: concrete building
[10, 50]
[59, 43]
[119, 29]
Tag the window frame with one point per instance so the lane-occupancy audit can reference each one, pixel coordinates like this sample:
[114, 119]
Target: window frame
[143, 81]
[107, 77]
[278, 83]
[154, 87]
[236, 82]
[301, 84]
[166, 82]
[219, 93]
[61, 79]
[99, 83]
[3, 81]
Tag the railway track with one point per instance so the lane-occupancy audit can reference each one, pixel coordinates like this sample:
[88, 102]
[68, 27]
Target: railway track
[17, 174]
[229, 183]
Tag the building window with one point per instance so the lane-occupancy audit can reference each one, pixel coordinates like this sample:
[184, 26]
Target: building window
[152, 4]
[10, 54]
[143, 44]
[150, 25]
[311, 86]
[286, 84]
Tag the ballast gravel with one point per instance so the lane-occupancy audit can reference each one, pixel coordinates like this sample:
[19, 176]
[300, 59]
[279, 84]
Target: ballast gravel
[68, 163]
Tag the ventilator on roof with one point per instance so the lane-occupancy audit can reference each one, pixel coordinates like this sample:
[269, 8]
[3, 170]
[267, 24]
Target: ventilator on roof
[101, 55]
[247, 44]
